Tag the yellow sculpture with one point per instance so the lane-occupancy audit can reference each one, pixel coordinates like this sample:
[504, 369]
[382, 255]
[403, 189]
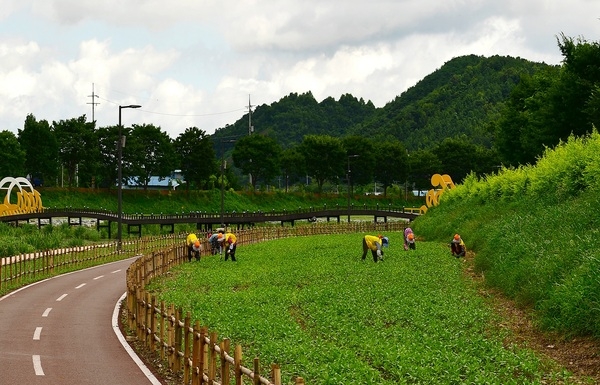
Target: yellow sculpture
[440, 183]
[28, 199]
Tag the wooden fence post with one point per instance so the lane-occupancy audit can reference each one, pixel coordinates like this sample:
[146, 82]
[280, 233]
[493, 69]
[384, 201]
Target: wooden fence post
[178, 342]
[276, 374]
[153, 324]
[225, 370]
[237, 359]
[186, 349]
[196, 353]
[212, 361]
[171, 341]
[256, 380]
[162, 330]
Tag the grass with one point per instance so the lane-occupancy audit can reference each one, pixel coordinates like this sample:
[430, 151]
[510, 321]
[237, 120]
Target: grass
[312, 306]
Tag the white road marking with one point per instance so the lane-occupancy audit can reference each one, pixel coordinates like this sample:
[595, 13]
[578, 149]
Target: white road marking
[101, 276]
[80, 286]
[130, 351]
[47, 312]
[61, 297]
[37, 365]
[116, 271]
[37, 333]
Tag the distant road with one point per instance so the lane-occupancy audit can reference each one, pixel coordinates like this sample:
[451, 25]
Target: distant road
[61, 331]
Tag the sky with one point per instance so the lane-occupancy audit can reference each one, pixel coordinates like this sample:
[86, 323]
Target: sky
[206, 63]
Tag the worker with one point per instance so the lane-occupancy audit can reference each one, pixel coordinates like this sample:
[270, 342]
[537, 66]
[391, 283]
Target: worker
[194, 247]
[230, 244]
[375, 244]
[409, 239]
[457, 246]
[215, 243]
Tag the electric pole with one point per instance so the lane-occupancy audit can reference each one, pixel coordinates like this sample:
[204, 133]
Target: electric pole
[93, 103]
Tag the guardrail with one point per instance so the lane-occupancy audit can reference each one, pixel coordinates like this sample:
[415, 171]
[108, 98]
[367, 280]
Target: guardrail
[208, 219]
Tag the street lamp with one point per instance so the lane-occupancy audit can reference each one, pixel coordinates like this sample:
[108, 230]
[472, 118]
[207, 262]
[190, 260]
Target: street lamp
[120, 179]
[349, 184]
[222, 181]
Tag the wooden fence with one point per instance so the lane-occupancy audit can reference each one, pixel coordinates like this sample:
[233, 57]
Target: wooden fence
[183, 343]
[22, 269]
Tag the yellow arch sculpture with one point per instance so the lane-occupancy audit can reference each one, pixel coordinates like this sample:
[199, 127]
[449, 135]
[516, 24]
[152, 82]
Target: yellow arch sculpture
[440, 184]
[28, 199]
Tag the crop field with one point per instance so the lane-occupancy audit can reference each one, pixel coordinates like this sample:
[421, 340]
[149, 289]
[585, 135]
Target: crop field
[312, 306]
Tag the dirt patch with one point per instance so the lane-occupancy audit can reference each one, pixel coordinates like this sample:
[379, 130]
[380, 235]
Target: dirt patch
[580, 356]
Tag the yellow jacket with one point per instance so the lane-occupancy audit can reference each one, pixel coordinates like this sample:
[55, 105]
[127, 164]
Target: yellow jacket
[191, 239]
[230, 239]
[373, 242]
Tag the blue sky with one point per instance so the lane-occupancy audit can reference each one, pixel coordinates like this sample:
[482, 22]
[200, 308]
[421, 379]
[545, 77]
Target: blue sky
[196, 62]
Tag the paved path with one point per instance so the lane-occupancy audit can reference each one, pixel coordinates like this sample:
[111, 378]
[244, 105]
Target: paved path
[63, 331]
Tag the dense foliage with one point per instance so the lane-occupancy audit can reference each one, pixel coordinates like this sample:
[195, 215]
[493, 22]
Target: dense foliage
[535, 232]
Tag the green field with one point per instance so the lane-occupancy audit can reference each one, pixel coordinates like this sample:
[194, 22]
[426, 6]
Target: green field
[312, 306]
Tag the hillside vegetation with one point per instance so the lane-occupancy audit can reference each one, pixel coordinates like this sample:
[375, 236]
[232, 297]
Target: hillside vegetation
[534, 230]
[459, 98]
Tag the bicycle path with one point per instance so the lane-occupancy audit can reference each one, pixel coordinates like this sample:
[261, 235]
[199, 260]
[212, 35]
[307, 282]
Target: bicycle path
[64, 330]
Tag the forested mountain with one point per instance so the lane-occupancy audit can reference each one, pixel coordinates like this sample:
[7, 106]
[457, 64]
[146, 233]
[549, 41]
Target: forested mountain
[460, 98]
[296, 115]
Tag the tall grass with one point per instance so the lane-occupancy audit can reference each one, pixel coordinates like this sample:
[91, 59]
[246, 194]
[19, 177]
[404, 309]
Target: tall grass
[312, 306]
[28, 238]
[535, 233]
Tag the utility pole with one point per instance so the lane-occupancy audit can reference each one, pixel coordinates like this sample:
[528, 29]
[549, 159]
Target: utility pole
[93, 103]
[250, 127]
[250, 130]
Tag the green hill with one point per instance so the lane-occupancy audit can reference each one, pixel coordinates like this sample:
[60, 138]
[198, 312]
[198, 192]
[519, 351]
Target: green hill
[459, 98]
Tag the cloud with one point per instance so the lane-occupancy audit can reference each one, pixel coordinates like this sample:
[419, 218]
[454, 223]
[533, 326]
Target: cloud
[194, 63]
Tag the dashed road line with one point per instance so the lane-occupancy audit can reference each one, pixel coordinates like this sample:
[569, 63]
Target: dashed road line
[80, 286]
[61, 297]
[37, 333]
[37, 365]
[116, 271]
[47, 312]
[101, 276]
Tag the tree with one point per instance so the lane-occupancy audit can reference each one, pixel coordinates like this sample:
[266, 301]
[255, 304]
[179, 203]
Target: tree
[196, 157]
[258, 156]
[41, 150]
[148, 152]
[12, 156]
[391, 163]
[292, 165]
[325, 157]
[423, 164]
[363, 165]
[107, 173]
[79, 151]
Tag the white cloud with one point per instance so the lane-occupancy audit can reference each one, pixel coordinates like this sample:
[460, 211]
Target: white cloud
[194, 63]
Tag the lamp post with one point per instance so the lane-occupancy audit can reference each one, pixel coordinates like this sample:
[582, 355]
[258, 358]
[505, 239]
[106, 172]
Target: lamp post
[120, 179]
[349, 184]
[222, 181]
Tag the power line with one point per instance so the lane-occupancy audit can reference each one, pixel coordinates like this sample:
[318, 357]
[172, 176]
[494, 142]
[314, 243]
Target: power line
[179, 115]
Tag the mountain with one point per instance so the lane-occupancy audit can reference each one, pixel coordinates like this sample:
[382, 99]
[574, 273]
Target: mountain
[460, 98]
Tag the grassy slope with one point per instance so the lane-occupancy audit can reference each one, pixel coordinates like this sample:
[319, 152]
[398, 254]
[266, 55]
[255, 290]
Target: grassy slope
[535, 234]
[311, 305]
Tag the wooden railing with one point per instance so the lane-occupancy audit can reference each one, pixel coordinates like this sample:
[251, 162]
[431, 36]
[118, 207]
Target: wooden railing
[183, 343]
[26, 268]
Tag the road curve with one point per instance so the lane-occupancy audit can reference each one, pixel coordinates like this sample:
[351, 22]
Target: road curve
[62, 331]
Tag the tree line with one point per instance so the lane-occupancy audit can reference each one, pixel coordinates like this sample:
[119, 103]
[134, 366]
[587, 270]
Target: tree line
[473, 115]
